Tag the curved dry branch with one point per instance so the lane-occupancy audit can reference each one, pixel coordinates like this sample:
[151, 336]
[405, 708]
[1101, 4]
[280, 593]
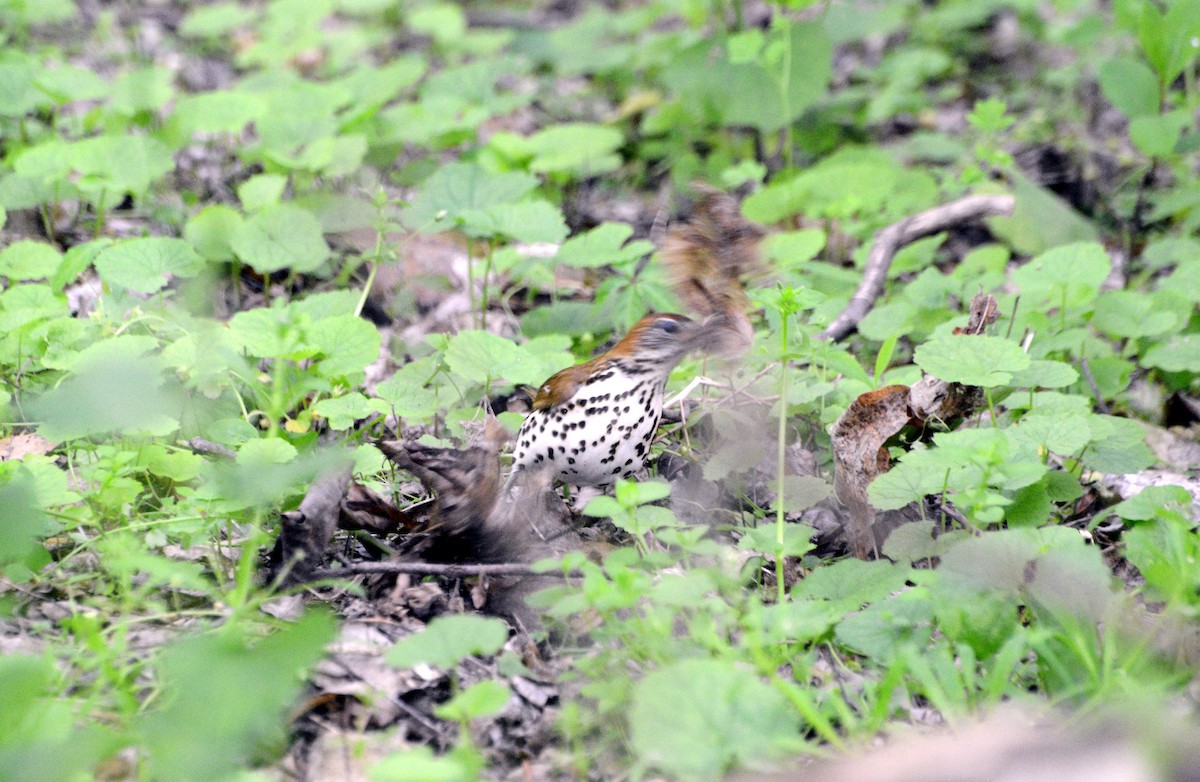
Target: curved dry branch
[432, 569]
[889, 241]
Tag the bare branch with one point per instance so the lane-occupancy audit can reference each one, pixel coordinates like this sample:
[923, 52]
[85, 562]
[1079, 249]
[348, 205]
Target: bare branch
[889, 241]
[434, 569]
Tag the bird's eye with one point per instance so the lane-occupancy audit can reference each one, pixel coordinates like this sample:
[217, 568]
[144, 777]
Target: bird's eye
[667, 325]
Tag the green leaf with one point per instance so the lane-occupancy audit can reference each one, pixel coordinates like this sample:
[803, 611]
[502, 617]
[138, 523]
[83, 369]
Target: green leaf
[797, 540]
[479, 700]
[1118, 446]
[261, 190]
[1152, 500]
[348, 344]
[24, 522]
[142, 89]
[990, 116]
[1130, 86]
[1165, 552]
[405, 392]
[265, 451]
[125, 394]
[421, 765]
[524, 221]
[1131, 314]
[1041, 220]
[801, 492]
[211, 229]
[173, 464]
[218, 111]
[1069, 275]
[792, 74]
[576, 148]
[914, 542]
[792, 249]
[103, 352]
[255, 679]
[1156, 136]
[28, 260]
[697, 719]
[343, 411]
[18, 95]
[606, 244]
[983, 360]
[448, 640]
[118, 165]
[798, 621]
[482, 357]
[215, 20]
[1044, 374]
[1177, 354]
[1061, 434]
[630, 493]
[68, 83]
[853, 581]
[281, 237]
[146, 265]
[444, 22]
[851, 181]
[268, 332]
[883, 628]
[458, 189]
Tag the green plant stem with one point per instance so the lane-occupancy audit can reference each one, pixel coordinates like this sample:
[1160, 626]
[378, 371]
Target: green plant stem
[99, 215]
[471, 278]
[366, 291]
[781, 458]
[785, 90]
[487, 273]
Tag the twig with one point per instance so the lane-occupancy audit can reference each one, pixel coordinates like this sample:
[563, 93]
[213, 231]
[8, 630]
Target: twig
[435, 569]
[207, 448]
[889, 241]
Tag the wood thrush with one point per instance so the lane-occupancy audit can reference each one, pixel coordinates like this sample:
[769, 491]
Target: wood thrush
[593, 423]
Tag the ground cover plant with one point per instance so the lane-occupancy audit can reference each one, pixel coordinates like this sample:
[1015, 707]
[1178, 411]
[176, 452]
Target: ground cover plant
[271, 268]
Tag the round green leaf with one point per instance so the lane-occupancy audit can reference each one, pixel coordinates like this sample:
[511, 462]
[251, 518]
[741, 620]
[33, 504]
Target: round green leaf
[575, 148]
[479, 700]
[973, 360]
[281, 237]
[211, 229]
[146, 265]
[348, 343]
[1178, 354]
[28, 260]
[1068, 275]
[449, 639]
[696, 719]
[1130, 85]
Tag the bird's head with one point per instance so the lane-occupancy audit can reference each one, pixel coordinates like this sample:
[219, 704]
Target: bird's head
[660, 338]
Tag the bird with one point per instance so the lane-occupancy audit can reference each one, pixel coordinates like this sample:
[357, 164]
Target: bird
[592, 424]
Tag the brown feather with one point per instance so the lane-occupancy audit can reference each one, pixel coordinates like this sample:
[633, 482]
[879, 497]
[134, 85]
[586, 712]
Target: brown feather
[642, 337]
[708, 255]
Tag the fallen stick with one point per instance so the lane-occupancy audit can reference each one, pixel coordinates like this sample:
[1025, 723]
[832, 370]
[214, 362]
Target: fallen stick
[435, 569]
[889, 241]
